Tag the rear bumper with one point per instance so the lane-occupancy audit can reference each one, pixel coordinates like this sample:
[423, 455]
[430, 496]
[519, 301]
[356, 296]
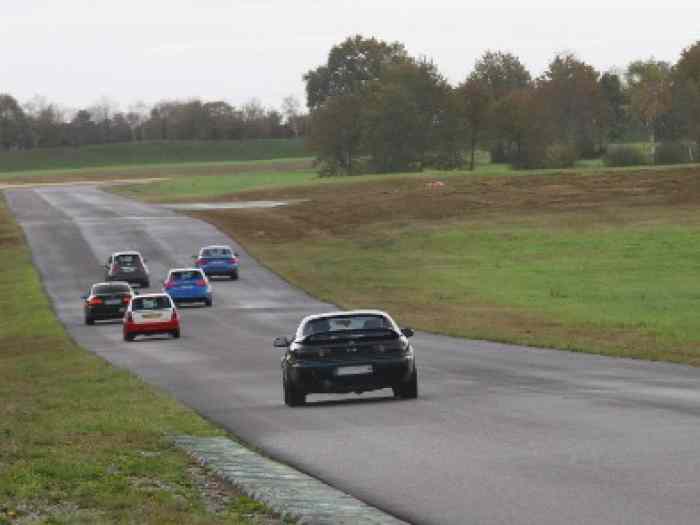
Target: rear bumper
[321, 377]
[211, 269]
[189, 295]
[151, 328]
[105, 312]
[131, 278]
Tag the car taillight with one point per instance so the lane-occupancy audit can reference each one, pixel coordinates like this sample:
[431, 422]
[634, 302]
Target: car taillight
[199, 261]
[200, 282]
[174, 316]
[95, 301]
[129, 318]
[169, 284]
[233, 260]
[126, 299]
[115, 268]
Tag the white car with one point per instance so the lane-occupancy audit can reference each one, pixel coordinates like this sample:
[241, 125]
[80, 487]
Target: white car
[151, 314]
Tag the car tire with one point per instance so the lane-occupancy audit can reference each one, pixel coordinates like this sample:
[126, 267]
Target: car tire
[234, 275]
[128, 337]
[409, 389]
[292, 396]
[209, 302]
[146, 284]
[176, 334]
[89, 320]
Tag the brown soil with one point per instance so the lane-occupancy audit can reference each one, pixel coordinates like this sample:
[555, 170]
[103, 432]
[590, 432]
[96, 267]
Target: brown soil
[342, 209]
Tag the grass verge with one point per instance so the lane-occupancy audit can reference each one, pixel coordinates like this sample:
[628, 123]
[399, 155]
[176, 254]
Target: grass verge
[81, 441]
[605, 263]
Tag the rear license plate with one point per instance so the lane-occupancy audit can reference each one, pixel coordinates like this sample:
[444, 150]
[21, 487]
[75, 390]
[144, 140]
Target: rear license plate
[113, 302]
[127, 269]
[151, 316]
[353, 370]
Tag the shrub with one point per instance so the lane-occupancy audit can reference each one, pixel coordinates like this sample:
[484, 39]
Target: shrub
[560, 156]
[674, 153]
[626, 155]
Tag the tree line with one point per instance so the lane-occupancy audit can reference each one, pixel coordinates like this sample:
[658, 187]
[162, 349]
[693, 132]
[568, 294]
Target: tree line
[39, 123]
[373, 107]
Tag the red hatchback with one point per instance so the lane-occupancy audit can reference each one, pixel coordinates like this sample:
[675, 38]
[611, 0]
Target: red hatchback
[151, 314]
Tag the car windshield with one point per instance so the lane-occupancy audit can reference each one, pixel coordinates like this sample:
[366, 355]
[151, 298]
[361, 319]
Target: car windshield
[106, 289]
[127, 260]
[186, 275]
[161, 302]
[347, 326]
[216, 252]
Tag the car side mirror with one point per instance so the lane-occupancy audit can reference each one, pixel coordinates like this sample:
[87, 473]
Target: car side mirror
[281, 342]
[408, 332]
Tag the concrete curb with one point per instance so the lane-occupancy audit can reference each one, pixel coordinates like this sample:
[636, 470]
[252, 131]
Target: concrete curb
[286, 491]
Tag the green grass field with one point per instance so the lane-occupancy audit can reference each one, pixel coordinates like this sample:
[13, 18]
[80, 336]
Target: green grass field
[604, 263]
[82, 441]
[156, 152]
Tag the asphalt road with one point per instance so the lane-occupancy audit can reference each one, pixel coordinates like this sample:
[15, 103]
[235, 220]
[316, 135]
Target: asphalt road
[500, 434]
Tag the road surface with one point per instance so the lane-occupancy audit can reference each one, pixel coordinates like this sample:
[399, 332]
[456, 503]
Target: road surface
[500, 434]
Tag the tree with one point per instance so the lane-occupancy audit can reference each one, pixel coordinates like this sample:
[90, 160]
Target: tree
[336, 132]
[513, 116]
[649, 86]
[613, 94]
[351, 65]
[499, 73]
[400, 114]
[686, 91]
[477, 99]
[291, 109]
[14, 127]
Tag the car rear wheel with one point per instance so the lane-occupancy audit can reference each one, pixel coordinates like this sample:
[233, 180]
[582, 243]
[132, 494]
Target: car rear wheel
[89, 320]
[234, 275]
[292, 396]
[146, 284]
[409, 389]
[128, 337]
[176, 333]
[209, 302]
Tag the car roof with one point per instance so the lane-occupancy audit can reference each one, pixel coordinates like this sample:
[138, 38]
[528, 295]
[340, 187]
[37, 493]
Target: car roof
[342, 313]
[185, 270]
[127, 252]
[218, 246]
[109, 283]
[152, 295]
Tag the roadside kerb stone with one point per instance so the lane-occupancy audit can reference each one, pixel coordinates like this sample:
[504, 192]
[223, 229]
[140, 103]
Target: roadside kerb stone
[286, 491]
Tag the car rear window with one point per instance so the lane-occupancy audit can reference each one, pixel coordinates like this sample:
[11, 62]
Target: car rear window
[161, 302]
[345, 323]
[127, 260]
[216, 252]
[106, 289]
[187, 275]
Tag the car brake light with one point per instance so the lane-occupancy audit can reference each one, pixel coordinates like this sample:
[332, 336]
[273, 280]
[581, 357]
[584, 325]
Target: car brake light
[95, 301]
[115, 268]
[199, 261]
[126, 299]
[174, 316]
[129, 318]
[233, 260]
[200, 282]
[169, 284]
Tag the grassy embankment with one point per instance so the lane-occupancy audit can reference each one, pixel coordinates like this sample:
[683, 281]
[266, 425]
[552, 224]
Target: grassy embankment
[604, 263]
[146, 153]
[81, 441]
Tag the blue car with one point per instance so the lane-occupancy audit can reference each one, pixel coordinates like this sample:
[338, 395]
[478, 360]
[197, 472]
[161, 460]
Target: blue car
[188, 285]
[218, 261]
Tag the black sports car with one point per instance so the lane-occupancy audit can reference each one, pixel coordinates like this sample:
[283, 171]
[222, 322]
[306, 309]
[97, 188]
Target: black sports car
[106, 301]
[342, 352]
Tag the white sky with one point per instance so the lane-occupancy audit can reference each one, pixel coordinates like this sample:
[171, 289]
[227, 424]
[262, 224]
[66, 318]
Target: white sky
[76, 51]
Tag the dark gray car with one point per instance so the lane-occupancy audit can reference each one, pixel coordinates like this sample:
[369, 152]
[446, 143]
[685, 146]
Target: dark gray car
[129, 267]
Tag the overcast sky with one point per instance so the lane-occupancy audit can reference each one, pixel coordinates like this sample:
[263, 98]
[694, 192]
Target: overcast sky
[76, 51]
